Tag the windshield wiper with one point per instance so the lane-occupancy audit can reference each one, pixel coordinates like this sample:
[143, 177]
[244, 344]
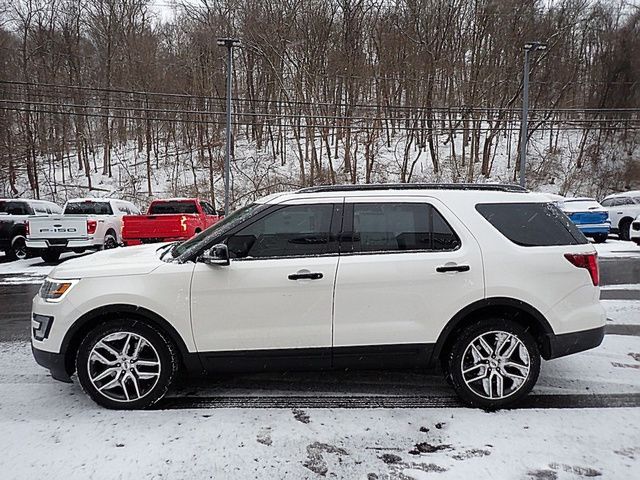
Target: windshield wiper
[168, 247]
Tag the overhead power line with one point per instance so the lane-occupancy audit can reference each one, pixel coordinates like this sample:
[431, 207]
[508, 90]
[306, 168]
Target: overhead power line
[378, 106]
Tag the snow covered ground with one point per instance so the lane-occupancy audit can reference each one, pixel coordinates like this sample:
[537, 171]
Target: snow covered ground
[617, 248]
[52, 429]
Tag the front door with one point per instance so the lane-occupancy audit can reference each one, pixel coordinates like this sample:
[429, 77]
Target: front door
[272, 306]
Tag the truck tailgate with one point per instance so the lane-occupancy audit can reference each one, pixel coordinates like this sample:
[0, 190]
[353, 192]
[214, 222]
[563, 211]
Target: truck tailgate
[156, 226]
[63, 226]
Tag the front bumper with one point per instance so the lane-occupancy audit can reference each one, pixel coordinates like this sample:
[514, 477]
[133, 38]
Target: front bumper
[574, 342]
[54, 362]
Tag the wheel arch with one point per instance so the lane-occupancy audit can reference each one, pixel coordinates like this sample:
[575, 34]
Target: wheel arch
[510, 308]
[89, 320]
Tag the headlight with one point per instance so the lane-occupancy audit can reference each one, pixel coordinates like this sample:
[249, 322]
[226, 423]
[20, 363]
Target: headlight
[54, 290]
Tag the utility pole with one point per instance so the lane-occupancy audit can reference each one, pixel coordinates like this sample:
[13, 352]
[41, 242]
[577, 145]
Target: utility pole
[529, 47]
[229, 43]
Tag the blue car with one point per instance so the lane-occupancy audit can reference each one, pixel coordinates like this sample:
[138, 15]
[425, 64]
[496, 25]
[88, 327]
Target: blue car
[589, 216]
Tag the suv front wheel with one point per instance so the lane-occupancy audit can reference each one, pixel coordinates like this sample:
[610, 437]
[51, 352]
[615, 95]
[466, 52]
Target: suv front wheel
[493, 363]
[126, 364]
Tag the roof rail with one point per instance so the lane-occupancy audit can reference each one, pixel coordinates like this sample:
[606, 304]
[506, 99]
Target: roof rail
[413, 186]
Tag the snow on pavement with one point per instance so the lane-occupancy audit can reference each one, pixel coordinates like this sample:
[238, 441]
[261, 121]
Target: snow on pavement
[52, 429]
[617, 248]
[623, 312]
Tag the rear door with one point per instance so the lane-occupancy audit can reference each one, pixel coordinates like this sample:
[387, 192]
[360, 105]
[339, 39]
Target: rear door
[407, 266]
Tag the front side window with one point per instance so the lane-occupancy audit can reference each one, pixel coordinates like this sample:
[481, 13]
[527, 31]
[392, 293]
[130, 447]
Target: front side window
[532, 224]
[290, 231]
[389, 227]
[607, 203]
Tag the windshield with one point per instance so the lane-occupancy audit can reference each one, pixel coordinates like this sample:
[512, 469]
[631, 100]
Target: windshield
[88, 208]
[174, 207]
[216, 229]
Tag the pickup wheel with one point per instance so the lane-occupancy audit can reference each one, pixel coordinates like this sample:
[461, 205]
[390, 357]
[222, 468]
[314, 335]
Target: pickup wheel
[110, 240]
[493, 363]
[126, 364]
[18, 250]
[50, 256]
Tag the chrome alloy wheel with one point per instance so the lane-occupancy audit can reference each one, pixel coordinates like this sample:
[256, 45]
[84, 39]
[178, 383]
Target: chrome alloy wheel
[124, 366]
[495, 365]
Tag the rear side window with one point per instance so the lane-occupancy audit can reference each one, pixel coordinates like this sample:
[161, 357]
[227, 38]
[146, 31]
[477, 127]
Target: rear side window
[532, 224]
[15, 208]
[390, 227]
[88, 208]
[295, 230]
[173, 208]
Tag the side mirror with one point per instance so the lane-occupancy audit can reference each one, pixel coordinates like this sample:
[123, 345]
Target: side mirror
[216, 255]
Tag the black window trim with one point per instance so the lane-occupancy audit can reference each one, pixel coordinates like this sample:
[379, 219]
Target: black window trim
[348, 220]
[335, 228]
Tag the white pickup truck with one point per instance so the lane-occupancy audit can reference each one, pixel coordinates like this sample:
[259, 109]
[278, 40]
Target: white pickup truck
[85, 224]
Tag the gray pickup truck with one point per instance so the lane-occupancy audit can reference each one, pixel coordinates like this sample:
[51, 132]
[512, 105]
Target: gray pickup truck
[13, 223]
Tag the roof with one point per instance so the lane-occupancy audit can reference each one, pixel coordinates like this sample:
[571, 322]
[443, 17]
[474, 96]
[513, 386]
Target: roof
[628, 193]
[414, 186]
[466, 194]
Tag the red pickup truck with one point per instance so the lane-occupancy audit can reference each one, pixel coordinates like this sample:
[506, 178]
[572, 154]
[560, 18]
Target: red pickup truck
[168, 220]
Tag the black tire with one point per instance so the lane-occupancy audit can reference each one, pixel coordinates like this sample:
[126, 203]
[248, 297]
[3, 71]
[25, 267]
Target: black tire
[157, 386]
[624, 229]
[50, 256]
[459, 357]
[110, 240]
[600, 237]
[18, 249]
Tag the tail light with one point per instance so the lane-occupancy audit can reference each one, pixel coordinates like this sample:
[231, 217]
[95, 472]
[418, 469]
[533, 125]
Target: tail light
[91, 226]
[26, 228]
[588, 261]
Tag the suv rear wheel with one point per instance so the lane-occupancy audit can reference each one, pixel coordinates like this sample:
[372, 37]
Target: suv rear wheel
[126, 364]
[624, 229]
[493, 363]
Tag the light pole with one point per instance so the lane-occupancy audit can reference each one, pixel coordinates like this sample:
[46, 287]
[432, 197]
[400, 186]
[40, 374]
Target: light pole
[229, 43]
[529, 47]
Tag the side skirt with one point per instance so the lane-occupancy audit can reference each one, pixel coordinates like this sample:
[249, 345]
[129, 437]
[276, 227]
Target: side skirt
[369, 357]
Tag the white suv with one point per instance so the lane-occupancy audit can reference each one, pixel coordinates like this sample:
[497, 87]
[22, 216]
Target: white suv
[482, 279]
[623, 208]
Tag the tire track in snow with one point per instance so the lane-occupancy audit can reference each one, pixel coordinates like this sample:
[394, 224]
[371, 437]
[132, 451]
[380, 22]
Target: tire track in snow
[621, 400]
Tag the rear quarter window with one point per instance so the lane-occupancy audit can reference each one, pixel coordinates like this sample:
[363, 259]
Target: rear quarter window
[532, 224]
